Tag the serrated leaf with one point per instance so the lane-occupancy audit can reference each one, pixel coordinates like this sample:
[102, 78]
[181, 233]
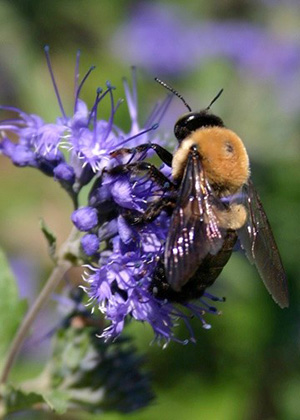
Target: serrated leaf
[98, 376]
[50, 238]
[58, 401]
[12, 308]
[16, 399]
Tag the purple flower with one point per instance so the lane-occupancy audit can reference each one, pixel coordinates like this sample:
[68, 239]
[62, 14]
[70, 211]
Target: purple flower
[250, 47]
[165, 41]
[88, 140]
[158, 39]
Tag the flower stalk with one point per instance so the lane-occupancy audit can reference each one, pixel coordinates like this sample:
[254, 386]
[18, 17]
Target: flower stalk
[65, 260]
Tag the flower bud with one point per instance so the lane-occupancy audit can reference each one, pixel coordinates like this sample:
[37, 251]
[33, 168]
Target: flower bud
[64, 172]
[85, 218]
[90, 244]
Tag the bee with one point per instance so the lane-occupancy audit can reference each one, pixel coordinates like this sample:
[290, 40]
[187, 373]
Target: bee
[213, 205]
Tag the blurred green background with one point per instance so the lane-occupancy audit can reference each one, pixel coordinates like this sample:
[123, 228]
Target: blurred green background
[247, 366]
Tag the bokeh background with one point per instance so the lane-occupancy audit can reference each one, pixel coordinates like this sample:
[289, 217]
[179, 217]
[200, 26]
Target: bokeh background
[247, 366]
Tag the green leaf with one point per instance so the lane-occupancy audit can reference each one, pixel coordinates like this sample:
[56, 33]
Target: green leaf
[50, 238]
[58, 401]
[12, 308]
[16, 399]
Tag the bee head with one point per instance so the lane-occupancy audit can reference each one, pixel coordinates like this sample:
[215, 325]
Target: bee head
[193, 121]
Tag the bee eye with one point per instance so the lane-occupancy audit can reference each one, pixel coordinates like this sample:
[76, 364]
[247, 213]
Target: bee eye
[229, 147]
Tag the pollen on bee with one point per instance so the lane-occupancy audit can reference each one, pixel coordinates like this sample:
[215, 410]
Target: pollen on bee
[234, 218]
[180, 157]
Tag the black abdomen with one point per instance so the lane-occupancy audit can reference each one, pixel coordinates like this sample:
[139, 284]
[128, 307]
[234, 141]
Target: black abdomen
[207, 272]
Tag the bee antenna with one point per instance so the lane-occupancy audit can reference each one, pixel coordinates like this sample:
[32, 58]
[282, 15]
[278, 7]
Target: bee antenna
[173, 91]
[214, 100]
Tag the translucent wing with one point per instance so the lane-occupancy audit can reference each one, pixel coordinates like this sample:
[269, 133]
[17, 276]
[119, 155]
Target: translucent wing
[194, 231]
[257, 240]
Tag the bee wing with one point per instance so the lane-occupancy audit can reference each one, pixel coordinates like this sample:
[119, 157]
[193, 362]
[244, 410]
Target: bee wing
[194, 231]
[257, 240]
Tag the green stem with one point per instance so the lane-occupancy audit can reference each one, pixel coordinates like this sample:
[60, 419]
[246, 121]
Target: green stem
[63, 265]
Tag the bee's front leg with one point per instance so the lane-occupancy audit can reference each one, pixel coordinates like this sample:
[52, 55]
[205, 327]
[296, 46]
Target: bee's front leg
[137, 167]
[166, 201]
[161, 152]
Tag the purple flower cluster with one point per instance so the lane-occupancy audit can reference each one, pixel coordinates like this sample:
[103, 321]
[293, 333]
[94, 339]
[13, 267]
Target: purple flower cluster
[120, 284]
[89, 140]
[162, 40]
[120, 257]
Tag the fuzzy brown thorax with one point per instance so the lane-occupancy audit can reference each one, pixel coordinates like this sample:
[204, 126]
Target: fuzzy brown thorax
[223, 156]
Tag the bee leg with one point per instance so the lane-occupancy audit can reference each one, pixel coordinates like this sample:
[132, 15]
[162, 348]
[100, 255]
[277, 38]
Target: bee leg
[151, 213]
[161, 152]
[137, 167]
[166, 204]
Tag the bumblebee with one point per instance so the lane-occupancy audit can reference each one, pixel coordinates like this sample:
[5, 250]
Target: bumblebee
[213, 204]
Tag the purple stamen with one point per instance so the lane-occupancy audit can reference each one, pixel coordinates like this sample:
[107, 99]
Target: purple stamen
[14, 109]
[164, 107]
[99, 91]
[134, 86]
[12, 120]
[198, 313]
[131, 101]
[154, 127]
[159, 110]
[214, 298]
[80, 86]
[132, 157]
[142, 181]
[162, 333]
[211, 309]
[149, 190]
[46, 49]
[112, 112]
[144, 155]
[95, 106]
[119, 102]
[76, 78]
[8, 127]
[93, 111]
[151, 117]
[181, 315]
